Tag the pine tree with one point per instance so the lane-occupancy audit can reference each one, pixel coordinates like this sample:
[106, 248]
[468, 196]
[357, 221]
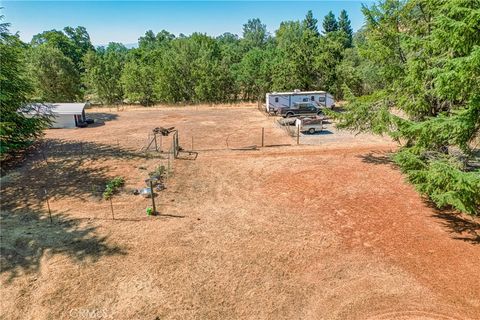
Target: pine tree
[254, 34]
[344, 25]
[330, 23]
[310, 22]
[429, 56]
[16, 130]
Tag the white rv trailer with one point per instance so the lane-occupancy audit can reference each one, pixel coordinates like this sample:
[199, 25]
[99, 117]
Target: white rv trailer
[277, 100]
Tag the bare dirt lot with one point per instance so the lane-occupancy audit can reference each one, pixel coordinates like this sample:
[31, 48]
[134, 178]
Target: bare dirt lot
[327, 230]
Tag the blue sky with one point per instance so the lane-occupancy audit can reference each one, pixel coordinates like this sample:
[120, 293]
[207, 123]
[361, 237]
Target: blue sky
[126, 21]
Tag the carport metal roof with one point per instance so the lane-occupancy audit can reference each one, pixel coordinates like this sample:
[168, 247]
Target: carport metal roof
[57, 108]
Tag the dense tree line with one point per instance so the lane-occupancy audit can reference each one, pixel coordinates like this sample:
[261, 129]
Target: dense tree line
[64, 66]
[412, 72]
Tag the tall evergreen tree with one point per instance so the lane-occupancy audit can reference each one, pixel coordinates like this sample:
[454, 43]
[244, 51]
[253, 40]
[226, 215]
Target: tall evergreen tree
[429, 57]
[310, 22]
[16, 130]
[329, 23]
[254, 33]
[344, 25]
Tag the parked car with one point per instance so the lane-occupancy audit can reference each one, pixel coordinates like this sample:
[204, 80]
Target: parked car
[300, 109]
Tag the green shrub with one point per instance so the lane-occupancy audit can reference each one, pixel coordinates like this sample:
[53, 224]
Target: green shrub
[443, 181]
[149, 211]
[112, 187]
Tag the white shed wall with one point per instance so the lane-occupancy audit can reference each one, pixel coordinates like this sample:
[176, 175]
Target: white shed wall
[64, 121]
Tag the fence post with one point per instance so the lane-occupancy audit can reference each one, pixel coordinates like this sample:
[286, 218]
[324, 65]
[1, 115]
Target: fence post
[298, 135]
[48, 206]
[153, 198]
[168, 165]
[111, 207]
[263, 136]
[175, 152]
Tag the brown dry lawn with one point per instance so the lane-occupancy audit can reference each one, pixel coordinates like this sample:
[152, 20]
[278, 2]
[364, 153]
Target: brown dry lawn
[328, 230]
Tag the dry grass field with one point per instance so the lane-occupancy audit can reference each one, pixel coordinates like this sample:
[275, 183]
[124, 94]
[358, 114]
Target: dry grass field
[327, 229]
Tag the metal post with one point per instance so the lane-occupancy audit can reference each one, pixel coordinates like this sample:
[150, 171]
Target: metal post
[263, 136]
[168, 165]
[174, 146]
[175, 151]
[48, 206]
[153, 198]
[178, 145]
[298, 135]
[149, 144]
[155, 138]
[111, 207]
[161, 143]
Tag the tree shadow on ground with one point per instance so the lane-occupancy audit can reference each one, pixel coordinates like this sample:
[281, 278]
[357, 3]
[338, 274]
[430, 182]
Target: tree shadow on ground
[61, 169]
[377, 158]
[27, 234]
[461, 226]
[101, 117]
[71, 148]
[94, 125]
[55, 179]
[318, 133]
[17, 158]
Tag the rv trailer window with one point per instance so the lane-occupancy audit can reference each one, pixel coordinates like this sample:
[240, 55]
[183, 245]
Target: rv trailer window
[312, 98]
[276, 99]
[321, 99]
[305, 99]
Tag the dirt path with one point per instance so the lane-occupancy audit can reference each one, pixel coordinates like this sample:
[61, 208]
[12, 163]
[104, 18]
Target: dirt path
[328, 232]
